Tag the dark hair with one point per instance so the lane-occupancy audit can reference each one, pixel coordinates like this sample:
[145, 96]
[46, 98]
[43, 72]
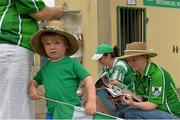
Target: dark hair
[115, 53]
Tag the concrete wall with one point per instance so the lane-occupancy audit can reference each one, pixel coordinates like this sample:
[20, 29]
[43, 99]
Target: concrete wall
[163, 30]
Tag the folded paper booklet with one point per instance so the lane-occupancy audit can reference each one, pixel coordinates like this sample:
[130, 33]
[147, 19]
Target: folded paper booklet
[104, 82]
[125, 90]
[115, 91]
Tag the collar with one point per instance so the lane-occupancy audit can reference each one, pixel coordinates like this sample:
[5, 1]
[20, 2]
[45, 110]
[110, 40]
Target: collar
[114, 63]
[146, 70]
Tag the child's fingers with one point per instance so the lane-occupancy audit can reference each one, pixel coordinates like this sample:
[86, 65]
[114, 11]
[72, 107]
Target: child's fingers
[33, 94]
[40, 93]
[90, 111]
[90, 108]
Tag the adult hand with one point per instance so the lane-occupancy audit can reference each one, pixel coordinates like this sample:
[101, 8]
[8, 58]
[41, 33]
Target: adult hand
[48, 13]
[114, 82]
[128, 100]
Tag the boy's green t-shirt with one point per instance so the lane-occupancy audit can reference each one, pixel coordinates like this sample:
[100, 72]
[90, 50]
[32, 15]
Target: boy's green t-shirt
[61, 80]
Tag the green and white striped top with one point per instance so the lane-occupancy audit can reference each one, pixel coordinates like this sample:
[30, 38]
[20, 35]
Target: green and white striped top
[16, 25]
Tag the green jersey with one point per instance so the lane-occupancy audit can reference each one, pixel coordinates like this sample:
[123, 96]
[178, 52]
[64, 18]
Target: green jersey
[16, 25]
[120, 71]
[157, 86]
[61, 80]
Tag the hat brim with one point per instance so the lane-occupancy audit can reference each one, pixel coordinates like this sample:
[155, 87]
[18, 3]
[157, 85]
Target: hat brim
[150, 55]
[96, 56]
[38, 47]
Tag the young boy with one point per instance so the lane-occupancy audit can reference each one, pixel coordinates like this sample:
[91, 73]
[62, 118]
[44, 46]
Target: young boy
[61, 75]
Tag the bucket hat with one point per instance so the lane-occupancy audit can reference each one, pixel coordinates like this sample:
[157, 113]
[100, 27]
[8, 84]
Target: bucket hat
[100, 50]
[136, 49]
[54, 26]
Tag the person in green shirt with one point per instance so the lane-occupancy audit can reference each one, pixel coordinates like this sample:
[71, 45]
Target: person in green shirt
[119, 72]
[18, 22]
[153, 83]
[61, 75]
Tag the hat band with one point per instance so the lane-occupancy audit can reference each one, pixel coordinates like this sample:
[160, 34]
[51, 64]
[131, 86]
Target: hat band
[145, 51]
[54, 28]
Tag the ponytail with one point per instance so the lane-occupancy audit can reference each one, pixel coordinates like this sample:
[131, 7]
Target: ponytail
[116, 51]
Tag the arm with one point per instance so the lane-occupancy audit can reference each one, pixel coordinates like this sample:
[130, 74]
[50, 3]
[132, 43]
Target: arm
[145, 105]
[48, 13]
[141, 105]
[33, 92]
[90, 107]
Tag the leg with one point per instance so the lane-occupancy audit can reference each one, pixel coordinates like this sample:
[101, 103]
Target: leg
[121, 110]
[133, 113]
[101, 93]
[101, 107]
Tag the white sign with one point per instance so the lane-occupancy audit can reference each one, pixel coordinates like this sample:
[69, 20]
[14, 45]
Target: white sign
[131, 2]
[49, 3]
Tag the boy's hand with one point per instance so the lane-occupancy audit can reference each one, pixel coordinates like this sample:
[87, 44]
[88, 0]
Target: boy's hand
[90, 107]
[34, 93]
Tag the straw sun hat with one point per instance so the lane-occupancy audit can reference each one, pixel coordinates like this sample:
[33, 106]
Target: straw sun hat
[136, 49]
[58, 27]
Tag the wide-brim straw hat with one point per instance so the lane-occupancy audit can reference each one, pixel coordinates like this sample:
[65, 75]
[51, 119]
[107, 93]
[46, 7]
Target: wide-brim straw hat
[58, 27]
[136, 49]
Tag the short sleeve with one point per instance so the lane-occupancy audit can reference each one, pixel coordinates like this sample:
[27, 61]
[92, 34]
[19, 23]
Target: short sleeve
[38, 78]
[29, 6]
[81, 72]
